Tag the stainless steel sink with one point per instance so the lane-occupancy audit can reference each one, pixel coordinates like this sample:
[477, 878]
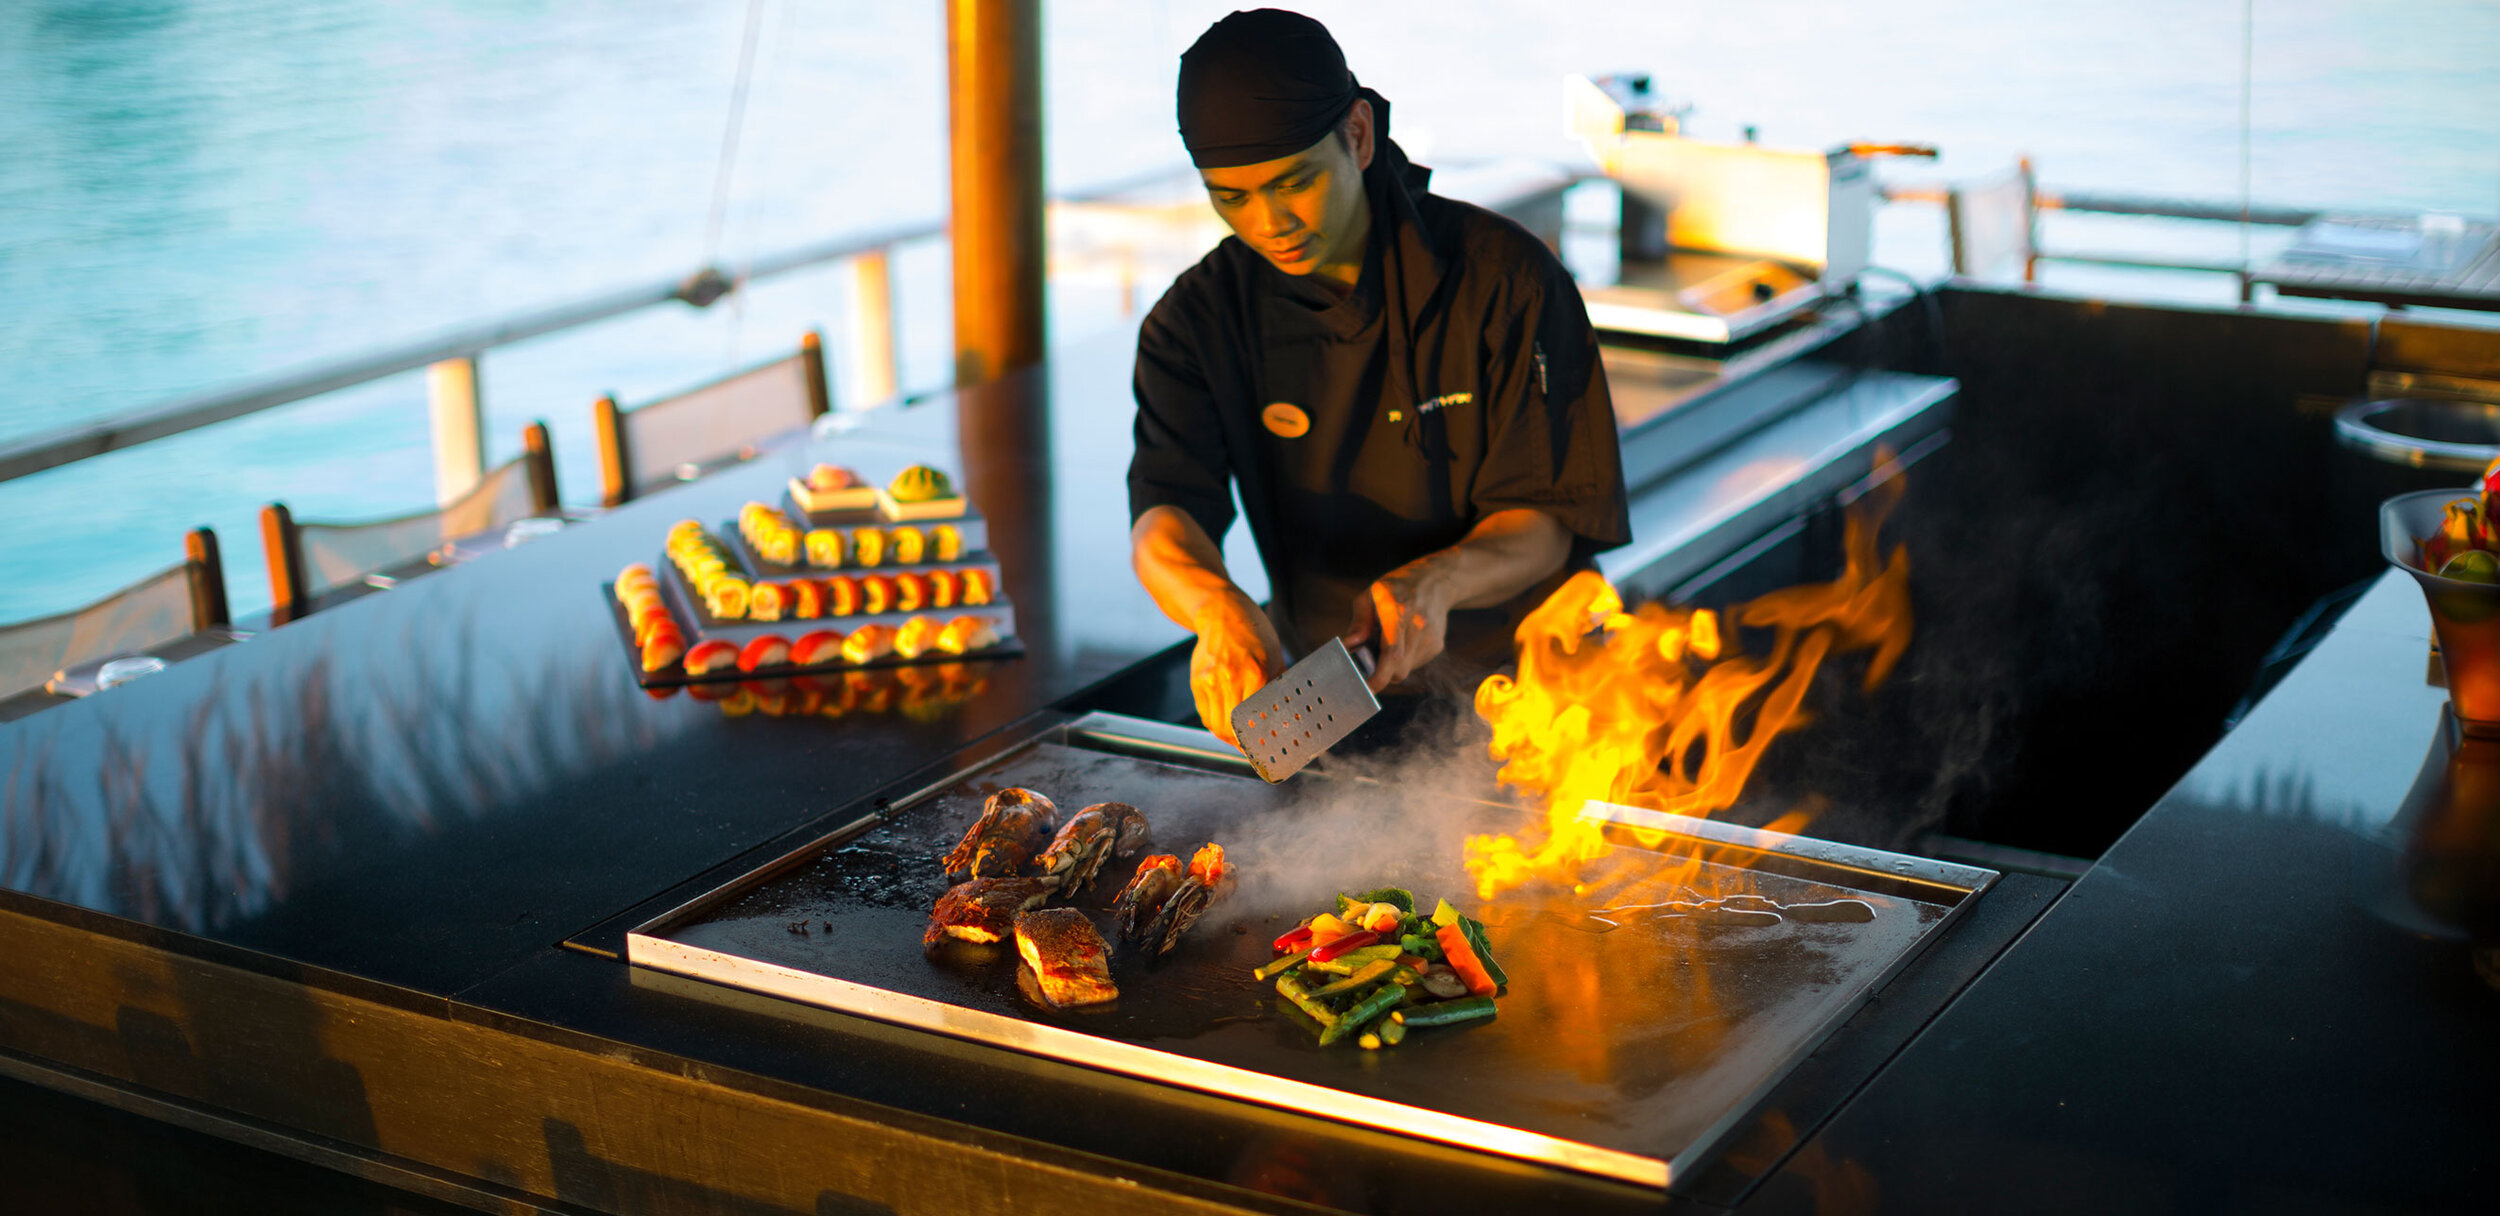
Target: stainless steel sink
[2423, 432]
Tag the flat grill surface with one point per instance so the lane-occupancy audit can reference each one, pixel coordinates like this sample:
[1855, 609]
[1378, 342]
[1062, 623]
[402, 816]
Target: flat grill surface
[1637, 1039]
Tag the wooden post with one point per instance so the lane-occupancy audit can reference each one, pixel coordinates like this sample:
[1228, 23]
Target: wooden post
[875, 378]
[994, 119]
[459, 428]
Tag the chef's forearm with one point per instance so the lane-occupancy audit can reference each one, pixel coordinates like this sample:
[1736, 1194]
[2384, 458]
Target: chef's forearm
[1181, 567]
[1506, 553]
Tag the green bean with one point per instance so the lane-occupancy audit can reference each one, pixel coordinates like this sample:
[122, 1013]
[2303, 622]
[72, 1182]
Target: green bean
[1292, 990]
[1282, 965]
[1363, 1012]
[1368, 973]
[1447, 1013]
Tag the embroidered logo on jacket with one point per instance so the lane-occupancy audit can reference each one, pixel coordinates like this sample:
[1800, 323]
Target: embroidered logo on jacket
[1443, 401]
[1285, 420]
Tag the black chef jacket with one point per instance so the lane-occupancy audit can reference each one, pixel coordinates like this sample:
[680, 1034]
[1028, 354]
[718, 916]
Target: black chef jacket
[1459, 378]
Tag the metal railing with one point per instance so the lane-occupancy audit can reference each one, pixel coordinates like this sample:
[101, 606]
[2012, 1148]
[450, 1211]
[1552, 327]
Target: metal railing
[2018, 192]
[452, 355]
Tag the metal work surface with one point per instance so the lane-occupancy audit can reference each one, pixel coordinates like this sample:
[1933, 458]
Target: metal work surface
[1621, 1047]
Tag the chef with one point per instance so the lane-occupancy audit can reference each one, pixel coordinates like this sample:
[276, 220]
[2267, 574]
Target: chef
[1402, 390]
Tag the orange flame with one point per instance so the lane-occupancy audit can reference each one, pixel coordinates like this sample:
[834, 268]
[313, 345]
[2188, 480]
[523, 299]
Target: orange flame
[1640, 708]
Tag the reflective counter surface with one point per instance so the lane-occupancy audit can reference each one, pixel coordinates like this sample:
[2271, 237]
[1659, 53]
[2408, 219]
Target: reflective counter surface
[2260, 999]
[427, 785]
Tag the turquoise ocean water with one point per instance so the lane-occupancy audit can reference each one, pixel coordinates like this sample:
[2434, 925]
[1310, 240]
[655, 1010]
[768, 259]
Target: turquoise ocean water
[197, 194]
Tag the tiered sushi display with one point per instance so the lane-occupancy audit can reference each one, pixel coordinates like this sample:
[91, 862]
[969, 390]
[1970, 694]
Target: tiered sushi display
[826, 585]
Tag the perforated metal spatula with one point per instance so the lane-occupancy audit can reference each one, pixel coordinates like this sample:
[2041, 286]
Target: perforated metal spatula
[1303, 712]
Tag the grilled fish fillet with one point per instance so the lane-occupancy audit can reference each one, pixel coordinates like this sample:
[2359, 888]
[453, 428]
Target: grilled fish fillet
[982, 910]
[1070, 963]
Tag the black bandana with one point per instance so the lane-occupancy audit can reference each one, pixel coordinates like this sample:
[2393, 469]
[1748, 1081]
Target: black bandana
[1262, 85]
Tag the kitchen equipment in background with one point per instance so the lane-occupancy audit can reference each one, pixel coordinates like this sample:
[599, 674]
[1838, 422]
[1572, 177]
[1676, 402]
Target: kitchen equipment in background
[1722, 241]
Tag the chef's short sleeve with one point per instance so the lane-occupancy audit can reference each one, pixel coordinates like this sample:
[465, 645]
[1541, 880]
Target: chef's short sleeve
[1550, 442]
[1179, 459]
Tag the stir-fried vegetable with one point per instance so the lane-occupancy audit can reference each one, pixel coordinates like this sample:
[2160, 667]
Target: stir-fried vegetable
[1377, 965]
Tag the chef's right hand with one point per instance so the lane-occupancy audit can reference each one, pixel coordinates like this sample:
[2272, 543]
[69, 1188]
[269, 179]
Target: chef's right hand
[1237, 654]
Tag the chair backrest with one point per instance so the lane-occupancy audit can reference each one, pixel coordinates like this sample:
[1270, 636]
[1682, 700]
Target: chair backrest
[309, 559]
[648, 445]
[1994, 225]
[163, 607]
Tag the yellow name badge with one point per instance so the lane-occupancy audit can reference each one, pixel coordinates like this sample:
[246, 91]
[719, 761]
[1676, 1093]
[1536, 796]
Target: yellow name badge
[1285, 420]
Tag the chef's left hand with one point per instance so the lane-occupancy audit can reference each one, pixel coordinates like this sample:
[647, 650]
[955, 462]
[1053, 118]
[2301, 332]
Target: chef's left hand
[1408, 610]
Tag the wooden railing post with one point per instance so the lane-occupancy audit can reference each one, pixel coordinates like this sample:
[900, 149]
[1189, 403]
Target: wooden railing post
[459, 427]
[875, 375]
[994, 120]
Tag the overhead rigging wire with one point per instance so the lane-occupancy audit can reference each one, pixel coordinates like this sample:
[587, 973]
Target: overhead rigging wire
[728, 163]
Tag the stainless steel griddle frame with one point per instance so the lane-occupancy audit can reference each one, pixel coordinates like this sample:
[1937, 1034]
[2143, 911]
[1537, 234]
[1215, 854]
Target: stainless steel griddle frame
[649, 946]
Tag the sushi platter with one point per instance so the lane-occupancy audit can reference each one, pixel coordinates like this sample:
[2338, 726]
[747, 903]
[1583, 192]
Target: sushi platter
[787, 592]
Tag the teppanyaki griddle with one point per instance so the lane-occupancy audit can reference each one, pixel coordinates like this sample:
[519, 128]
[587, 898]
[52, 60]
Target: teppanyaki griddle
[1619, 1053]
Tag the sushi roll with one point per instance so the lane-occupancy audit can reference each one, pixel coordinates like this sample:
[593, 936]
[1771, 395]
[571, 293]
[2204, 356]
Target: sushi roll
[711, 655]
[770, 650]
[766, 602]
[635, 575]
[812, 649]
[807, 599]
[908, 545]
[976, 588]
[662, 648]
[824, 548]
[915, 637]
[727, 597]
[648, 623]
[943, 588]
[876, 594]
[945, 543]
[868, 643]
[841, 595]
[910, 592]
[965, 634]
[868, 546]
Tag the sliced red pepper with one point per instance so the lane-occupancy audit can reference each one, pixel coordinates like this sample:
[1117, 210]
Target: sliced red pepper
[1293, 940]
[1351, 941]
[1461, 958]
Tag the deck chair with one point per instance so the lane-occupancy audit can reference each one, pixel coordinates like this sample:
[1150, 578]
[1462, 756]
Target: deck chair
[166, 607]
[1994, 226]
[311, 562]
[682, 437]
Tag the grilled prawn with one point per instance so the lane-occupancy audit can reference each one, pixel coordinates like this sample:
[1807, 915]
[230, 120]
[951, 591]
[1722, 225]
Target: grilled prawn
[982, 910]
[1088, 839]
[1208, 877]
[1012, 825]
[1135, 906]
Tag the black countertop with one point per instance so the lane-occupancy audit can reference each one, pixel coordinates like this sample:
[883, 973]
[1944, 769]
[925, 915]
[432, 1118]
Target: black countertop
[432, 788]
[2240, 1007]
[428, 786]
